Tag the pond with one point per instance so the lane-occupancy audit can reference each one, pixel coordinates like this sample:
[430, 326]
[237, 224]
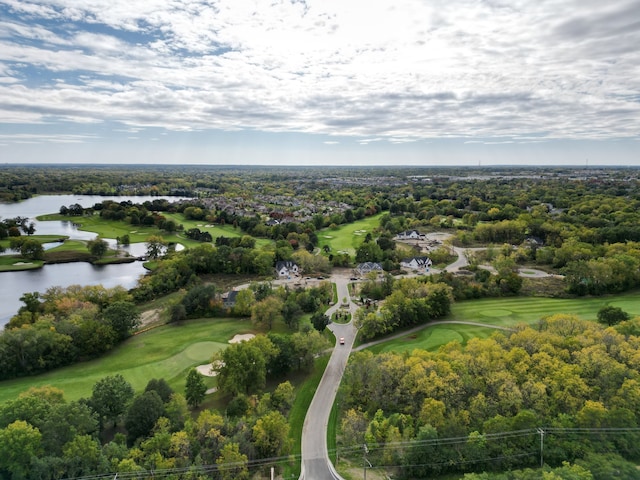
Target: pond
[15, 284]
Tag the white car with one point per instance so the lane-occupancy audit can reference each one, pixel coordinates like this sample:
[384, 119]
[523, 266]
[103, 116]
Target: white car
[341, 340]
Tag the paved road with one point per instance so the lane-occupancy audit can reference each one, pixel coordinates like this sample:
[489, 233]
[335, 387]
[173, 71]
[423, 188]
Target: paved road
[315, 458]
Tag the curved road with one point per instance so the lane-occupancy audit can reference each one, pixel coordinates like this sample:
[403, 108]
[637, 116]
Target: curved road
[315, 456]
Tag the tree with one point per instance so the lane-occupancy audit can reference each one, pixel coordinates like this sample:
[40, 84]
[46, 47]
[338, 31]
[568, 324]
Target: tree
[177, 411]
[83, 456]
[199, 299]
[64, 422]
[142, 415]
[98, 247]
[232, 464]
[267, 311]
[283, 397]
[31, 302]
[110, 398]
[156, 247]
[369, 252]
[19, 444]
[242, 367]
[161, 387]
[291, 312]
[270, 435]
[29, 229]
[610, 315]
[319, 321]
[177, 312]
[195, 389]
[123, 318]
[32, 249]
[245, 299]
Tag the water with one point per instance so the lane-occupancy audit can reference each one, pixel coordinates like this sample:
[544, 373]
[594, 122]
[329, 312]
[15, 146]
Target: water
[14, 284]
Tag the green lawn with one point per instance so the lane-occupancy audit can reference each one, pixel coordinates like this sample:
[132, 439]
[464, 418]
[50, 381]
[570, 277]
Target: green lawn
[434, 337]
[504, 312]
[165, 352]
[510, 311]
[139, 233]
[347, 238]
[10, 263]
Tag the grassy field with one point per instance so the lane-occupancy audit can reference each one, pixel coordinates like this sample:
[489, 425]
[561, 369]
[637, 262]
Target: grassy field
[504, 312]
[165, 352]
[15, 264]
[139, 233]
[215, 230]
[347, 238]
[432, 338]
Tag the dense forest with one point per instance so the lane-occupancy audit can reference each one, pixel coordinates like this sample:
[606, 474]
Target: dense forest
[484, 406]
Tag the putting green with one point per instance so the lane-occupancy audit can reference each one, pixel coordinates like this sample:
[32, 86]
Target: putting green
[495, 313]
[202, 351]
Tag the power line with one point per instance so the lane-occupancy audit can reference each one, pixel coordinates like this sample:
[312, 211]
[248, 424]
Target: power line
[373, 448]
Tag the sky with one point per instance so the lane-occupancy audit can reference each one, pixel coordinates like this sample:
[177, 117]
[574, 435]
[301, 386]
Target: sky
[320, 82]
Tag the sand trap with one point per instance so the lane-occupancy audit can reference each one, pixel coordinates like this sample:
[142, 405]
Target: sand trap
[206, 370]
[23, 263]
[242, 338]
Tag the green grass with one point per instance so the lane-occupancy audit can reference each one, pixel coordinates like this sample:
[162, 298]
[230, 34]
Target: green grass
[214, 230]
[511, 311]
[70, 246]
[17, 263]
[432, 338]
[347, 238]
[332, 438]
[165, 352]
[139, 233]
[503, 312]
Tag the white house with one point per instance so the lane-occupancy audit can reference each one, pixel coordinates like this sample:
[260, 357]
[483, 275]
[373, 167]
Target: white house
[286, 268]
[411, 235]
[416, 262]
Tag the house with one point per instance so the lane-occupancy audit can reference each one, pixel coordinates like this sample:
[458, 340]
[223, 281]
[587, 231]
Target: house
[367, 267]
[534, 241]
[229, 299]
[411, 235]
[286, 268]
[416, 262]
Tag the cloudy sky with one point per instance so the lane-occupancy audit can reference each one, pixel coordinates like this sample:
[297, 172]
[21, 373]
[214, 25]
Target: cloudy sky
[348, 82]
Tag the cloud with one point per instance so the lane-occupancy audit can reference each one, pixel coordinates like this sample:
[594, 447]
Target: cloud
[401, 71]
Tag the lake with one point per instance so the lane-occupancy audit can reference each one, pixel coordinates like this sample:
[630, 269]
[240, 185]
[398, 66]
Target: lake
[14, 284]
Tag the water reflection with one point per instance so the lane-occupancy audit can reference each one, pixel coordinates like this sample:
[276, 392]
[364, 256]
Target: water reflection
[15, 284]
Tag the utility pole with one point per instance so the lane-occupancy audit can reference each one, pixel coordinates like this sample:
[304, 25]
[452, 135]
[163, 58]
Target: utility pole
[366, 461]
[541, 432]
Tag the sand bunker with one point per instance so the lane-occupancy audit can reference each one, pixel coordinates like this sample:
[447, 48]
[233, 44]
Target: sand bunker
[206, 370]
[242, 338]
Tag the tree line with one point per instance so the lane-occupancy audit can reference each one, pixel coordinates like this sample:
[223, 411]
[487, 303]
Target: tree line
[561, 372]
[65, 325]
[44, 436]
